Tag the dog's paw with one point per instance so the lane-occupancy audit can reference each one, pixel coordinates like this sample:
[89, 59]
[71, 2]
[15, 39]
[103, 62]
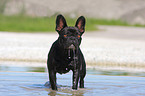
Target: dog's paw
[47, 84]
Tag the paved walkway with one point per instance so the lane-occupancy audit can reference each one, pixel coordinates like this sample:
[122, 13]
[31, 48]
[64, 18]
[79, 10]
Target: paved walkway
[111, 47]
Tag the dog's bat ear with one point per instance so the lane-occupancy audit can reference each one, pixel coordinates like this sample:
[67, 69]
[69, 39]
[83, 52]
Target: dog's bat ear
[60, 23]
[80, 24]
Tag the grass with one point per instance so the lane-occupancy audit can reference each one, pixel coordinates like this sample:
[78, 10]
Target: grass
[47, 24]
[26, 24]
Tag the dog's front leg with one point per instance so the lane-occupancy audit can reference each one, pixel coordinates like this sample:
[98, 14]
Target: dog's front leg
[75, 79]
[52, 78]
[75, 73]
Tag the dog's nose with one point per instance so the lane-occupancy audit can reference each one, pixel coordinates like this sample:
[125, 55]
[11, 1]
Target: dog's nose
[72, 38]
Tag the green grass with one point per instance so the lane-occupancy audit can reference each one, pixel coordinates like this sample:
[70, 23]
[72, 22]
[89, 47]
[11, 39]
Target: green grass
[34, 24]
[47, 24]
[26, 24]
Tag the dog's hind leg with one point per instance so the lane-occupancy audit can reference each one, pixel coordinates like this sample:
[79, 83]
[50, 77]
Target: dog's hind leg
[82, 74]
[82, 81]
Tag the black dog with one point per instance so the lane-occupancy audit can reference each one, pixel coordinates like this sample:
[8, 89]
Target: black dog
[65, 54]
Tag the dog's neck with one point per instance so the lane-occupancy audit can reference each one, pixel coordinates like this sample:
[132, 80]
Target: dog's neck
[68, 54]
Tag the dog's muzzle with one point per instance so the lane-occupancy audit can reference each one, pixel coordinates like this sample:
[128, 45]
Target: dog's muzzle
[71, 46]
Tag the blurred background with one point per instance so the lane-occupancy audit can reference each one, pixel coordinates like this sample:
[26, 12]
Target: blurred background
[33, 15]
[131, 11]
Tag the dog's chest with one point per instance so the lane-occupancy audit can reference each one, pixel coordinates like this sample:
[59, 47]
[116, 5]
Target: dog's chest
[64, 67]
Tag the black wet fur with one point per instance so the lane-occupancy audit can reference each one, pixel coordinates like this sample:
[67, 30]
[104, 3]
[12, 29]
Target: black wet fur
[65, 53]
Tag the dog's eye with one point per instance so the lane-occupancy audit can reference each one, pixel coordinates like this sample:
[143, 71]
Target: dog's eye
[79, 36]
[65, 35]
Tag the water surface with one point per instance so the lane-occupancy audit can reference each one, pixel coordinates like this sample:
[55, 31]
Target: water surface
[29, 81]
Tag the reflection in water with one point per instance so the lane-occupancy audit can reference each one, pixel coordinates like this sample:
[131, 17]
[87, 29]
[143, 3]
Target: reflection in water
[65, 90]
[89, 71]
[52, 93]
[22, 69]
[36, 69]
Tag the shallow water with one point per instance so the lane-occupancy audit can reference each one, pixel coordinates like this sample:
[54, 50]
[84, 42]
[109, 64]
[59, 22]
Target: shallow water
[29, 81]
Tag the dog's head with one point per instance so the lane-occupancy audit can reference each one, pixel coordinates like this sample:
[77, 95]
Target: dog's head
[70, 37]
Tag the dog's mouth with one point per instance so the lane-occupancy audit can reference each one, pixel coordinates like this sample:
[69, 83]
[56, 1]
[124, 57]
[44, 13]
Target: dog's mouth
[71, 51]
[72, 47]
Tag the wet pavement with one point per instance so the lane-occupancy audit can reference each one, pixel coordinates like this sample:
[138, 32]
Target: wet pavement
[29, 81]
